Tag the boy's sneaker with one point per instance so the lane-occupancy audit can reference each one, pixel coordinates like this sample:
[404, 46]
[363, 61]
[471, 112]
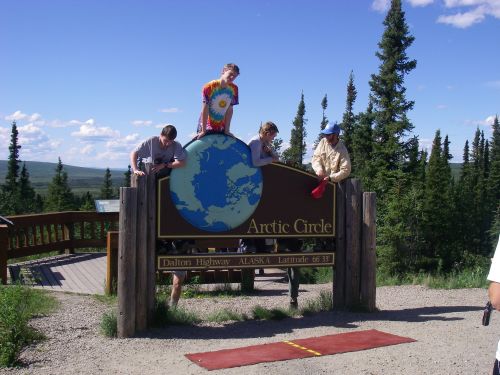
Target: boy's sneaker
[293, 303]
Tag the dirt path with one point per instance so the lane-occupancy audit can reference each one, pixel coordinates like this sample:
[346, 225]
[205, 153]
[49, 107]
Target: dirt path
[446, 325]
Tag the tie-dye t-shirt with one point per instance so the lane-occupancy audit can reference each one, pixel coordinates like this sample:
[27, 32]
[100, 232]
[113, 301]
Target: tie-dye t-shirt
[218, 99]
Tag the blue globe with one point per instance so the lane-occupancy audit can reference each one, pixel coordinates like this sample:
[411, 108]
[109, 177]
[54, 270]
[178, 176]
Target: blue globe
[219, 188]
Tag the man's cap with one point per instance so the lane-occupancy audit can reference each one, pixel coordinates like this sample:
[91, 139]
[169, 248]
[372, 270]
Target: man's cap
[331, 129]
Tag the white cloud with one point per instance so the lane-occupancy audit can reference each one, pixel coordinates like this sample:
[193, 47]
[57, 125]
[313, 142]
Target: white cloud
[170, 110]
[109, 156]
[380, 5]
[4, 142]
[462, 3]
[474, 11]
[420, 3]
[89, 131]
[18, 116]
[467, 12]
[35, 142]
[123, 144]
[463, 20]
[142, 122]
[87, 150]
[487, 122]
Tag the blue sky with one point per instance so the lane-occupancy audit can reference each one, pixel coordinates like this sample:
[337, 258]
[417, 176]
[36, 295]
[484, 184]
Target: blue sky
[87, 80]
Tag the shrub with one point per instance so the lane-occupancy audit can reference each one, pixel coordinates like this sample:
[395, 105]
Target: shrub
[226, 315]
[109, 324]
[324, 302]
[17, 305]
[163, 315]
[260, 312]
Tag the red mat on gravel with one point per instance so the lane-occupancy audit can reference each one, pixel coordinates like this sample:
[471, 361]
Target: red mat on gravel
[303, 348]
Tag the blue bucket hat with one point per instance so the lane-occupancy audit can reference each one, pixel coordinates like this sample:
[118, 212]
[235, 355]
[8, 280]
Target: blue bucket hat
[331, 129]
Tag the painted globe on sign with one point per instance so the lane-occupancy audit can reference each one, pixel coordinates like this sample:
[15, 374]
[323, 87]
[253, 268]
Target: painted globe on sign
[219, 188]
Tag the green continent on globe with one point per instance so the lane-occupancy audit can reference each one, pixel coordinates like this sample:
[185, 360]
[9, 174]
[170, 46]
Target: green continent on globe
[219, 188]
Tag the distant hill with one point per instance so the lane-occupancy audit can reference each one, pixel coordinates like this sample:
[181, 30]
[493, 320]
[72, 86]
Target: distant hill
[80, 179]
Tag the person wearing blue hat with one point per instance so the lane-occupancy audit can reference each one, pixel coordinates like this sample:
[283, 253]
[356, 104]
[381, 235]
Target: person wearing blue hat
[331, 159]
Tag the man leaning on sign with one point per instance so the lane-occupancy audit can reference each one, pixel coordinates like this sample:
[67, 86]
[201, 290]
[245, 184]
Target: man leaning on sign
[165, 154]
[331, 160]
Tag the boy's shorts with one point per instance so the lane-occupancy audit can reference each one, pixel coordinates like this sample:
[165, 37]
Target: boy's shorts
[180, 274]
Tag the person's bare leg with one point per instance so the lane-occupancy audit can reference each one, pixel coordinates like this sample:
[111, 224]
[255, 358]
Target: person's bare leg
[176, 290]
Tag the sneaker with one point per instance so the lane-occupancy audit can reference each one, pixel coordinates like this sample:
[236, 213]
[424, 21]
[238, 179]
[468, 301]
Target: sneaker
[293, 303]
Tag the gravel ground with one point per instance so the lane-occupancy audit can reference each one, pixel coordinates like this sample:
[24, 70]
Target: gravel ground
[445, 323]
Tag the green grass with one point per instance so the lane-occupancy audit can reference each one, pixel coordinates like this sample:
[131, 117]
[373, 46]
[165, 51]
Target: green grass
[18, 304]
[322, 303]
[225, 315]
[316, 275]
[470, 278]
[109, 324]
[108, 299]
[193, 290]
[262, 313]
[163, 316]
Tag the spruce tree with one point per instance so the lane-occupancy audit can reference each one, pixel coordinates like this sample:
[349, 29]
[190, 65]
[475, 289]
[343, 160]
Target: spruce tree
[349, 119]
[276, 146]
[127, 177]
[388, 95]
[59, 195]
[13, 162]
[87, 202]
[107, 186]
[437, 210]
[481, 212]
[362, 148]
[294, 155]
[27, 195]
[494, 164]
[464, 204]
[9, 204]
[398, 237]
[324, 120]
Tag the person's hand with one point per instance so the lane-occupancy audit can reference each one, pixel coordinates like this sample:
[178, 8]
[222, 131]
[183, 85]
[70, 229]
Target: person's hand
[139, 173]
[229, 134]
[321, 175]
[201, 134]
[158, 167]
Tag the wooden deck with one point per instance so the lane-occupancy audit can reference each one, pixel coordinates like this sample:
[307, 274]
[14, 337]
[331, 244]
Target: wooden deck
[78, 273]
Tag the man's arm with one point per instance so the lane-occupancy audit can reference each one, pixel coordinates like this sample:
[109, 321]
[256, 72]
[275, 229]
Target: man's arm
[344, 168]
[204, 119]
[133, 163]
[317, 163]
[176, 164]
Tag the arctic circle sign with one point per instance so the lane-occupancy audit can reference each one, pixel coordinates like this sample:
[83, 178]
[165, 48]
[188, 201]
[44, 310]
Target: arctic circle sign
[219, 194]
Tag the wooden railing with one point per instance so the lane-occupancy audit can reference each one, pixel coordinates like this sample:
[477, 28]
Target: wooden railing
[59, 231]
